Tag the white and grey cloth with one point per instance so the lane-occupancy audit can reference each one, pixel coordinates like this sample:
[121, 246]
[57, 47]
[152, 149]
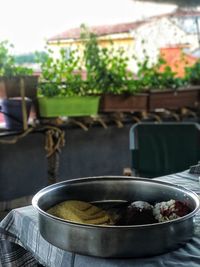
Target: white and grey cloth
[22, 245]
[195, 169]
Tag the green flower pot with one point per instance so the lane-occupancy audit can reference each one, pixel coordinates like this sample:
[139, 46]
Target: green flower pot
[73, 106]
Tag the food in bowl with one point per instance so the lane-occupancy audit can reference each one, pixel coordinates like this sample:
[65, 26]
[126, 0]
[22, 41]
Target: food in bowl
[81, 212]
[121, 241]
[138, 212]
[169, 210]
[135, 213]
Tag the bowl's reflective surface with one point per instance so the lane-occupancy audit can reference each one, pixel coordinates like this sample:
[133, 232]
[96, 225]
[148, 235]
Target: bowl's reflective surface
[115, 241]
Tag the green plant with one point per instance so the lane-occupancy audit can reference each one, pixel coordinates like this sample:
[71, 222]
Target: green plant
[61, 76]
[8, 66]
[192, 74]
[158, 76]
[107, 68]
[107, 71]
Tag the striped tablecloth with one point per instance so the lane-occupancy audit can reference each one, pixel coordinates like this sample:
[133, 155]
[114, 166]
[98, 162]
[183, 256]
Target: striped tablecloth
[22, 245]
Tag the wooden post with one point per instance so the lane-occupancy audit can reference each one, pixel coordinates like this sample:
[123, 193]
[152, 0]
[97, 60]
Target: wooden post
[24, 110]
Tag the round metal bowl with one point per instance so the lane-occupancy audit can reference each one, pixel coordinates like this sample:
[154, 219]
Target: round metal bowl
[115, 241]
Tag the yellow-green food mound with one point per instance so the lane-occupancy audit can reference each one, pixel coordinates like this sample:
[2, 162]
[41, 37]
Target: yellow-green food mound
[81, 212]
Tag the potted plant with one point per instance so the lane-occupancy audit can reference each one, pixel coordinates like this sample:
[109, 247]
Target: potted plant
[17, 89]
[108, 76]
[62, 90]
[174, 99]
[166, 90]
[11, 74]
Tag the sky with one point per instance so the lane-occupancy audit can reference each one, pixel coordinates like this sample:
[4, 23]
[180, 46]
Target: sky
[27, 24]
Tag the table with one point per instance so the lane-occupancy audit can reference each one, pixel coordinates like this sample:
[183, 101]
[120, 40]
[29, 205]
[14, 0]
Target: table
[22, 245]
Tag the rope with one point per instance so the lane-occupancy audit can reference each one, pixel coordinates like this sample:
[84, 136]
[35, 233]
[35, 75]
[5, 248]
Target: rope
[186, 112]
[55, 140]
[54, 134]
[135, 118]
[84, 127]
[16, 138]
[102, 122]
[53, 167]
[156, 117]
[118, 117]
[176, 116]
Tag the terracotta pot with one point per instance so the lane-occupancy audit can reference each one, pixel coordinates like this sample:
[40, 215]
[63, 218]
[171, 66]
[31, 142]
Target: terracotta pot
[123, 103]
[174, 99]
[10, 87]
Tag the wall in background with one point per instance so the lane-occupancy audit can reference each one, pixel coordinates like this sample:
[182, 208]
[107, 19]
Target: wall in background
[96, 152]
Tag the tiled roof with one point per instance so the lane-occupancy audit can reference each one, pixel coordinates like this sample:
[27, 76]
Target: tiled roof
[98, 30]
[184, 13]
[103, 30]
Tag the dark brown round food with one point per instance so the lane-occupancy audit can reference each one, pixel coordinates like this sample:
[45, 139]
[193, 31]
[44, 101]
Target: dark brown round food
[137, 213]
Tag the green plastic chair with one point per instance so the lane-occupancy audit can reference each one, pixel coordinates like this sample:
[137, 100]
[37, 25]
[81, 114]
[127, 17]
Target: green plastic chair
[163, 148]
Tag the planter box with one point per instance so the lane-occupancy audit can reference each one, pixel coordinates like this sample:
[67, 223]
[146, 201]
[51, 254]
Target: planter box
[123, 103]
[10, 87]
[174, 99]
[68, 106]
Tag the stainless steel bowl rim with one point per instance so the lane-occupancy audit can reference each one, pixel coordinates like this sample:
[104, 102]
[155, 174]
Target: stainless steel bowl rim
[178, 220]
